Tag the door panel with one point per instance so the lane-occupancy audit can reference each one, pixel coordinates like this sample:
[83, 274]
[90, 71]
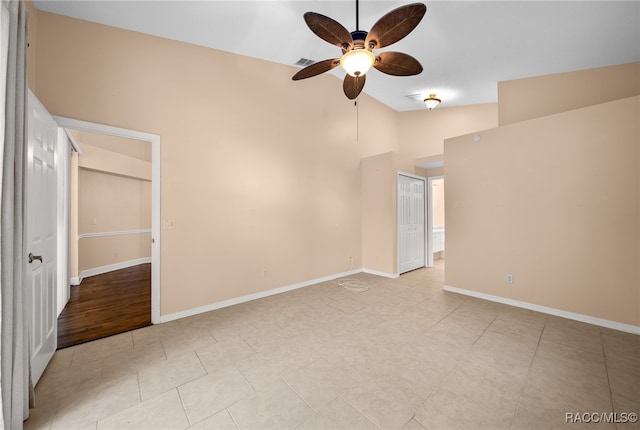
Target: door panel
[411, 228]
[41, 207]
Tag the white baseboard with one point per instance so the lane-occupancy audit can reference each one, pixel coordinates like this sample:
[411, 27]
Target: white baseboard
[547, 310]
[109, 268]
[74, 280]
[383, 274]
[255, 296]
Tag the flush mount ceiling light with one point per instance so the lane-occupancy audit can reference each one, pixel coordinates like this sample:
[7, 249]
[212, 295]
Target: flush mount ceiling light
[357, 46]
[432, 101]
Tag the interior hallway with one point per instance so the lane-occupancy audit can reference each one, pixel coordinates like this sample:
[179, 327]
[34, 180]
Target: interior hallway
[403, 354]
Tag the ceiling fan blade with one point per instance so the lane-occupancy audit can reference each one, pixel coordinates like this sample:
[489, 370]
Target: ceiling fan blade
[316, 69]
[397, 64]
[395, 25]
[352, 86]
[329, 30]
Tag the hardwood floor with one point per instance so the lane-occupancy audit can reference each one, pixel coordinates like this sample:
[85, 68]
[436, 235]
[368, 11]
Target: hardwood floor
[107, 304]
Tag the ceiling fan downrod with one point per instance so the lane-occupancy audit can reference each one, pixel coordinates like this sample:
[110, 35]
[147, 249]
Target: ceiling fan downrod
[358, 35]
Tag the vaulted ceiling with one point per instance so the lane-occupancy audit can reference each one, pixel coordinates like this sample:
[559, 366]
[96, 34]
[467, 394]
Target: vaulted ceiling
[465, 47]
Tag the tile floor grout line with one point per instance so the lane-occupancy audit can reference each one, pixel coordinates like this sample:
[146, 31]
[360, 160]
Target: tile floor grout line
[301, 398]
[139, 386]
[245, 378]
[358, 411]
[526, 379]
[606, 368]
[235, 423]
[184, 409]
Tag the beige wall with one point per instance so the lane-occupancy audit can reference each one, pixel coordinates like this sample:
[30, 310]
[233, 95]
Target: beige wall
[422, 132]
[103, 160]
[553, 201]
[378, 214]
[112, 203]
[134, 148]
[438, 202]
[32, 38]
[108, 202]
[97, 252]
[535, 97]
[259, 173]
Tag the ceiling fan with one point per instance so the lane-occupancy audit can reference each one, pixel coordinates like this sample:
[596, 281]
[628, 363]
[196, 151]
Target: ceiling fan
[357, 46]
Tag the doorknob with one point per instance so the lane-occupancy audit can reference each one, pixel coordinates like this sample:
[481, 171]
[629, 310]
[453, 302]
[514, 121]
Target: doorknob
[34, 257]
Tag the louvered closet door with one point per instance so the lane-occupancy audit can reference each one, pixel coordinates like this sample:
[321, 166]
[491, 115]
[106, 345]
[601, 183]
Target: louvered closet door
[411, 223]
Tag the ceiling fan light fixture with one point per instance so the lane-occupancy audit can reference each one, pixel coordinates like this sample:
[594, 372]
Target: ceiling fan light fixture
[432, 101]
[358, 61]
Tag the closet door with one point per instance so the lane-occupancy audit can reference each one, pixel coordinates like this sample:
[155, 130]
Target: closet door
[411, 223]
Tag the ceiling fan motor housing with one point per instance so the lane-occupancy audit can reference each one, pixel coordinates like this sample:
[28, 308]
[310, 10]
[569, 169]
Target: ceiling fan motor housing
[359, 35]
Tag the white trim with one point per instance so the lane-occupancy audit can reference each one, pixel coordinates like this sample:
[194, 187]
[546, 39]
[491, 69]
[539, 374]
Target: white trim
[411, 175]
[112, 267]
[547, 310]
[74, 142]
[74, 280]
[383, 274]
[255, 296]
[155, 194]
[113, 233]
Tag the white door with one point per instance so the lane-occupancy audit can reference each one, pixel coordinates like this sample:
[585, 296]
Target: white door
[411, 233]
[41, 208]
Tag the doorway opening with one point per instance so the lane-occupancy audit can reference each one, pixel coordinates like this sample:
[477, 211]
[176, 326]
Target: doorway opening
[435, 220]
[119, 259]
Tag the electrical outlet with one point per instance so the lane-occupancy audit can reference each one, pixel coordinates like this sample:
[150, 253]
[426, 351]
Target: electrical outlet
[509, 278]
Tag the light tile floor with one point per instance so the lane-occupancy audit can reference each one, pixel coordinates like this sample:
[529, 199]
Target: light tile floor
[402, 355]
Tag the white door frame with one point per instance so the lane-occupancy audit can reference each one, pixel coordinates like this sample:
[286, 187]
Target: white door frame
[429, 230]
[410, 175]
[154, 139]
[63, 171]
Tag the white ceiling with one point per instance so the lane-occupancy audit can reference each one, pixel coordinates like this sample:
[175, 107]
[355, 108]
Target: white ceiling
[465, 47]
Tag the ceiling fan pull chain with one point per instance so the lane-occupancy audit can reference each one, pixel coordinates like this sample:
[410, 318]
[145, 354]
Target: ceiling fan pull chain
[357, 105]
